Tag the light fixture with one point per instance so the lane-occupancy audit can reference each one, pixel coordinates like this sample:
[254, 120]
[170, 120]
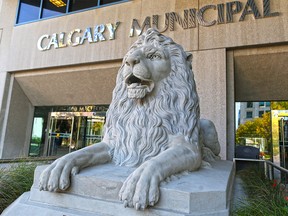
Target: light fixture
[58, 3]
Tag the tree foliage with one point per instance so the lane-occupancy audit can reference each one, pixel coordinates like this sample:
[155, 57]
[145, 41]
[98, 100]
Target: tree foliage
[258, 127]
[280, 105]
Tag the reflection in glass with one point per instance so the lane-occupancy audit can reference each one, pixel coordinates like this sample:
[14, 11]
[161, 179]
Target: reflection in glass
[253, 127]
[50, 9]
[70, 131]
[37, 137]
[76, 5]
[59, 130]
[103, 2]
[37, 142]
[266, 131]
[28, 10]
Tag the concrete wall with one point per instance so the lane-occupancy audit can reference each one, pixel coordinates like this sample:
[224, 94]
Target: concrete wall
[19, 124]
[7, 17]
[250, 31]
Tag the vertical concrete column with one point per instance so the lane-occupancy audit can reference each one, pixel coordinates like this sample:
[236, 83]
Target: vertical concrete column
[4, 91]
[209, 67]
[230, 106]
[17, 125]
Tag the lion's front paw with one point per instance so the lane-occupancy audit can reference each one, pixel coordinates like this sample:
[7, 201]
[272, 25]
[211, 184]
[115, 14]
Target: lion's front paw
[57, 176]
[141, 188]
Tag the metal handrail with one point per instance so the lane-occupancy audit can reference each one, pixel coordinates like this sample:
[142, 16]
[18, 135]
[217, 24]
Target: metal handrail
[269, 167]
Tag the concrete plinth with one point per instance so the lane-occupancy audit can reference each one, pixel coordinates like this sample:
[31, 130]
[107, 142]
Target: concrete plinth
[95, 192]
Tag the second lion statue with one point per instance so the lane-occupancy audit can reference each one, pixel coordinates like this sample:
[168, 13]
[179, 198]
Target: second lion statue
[153, 123]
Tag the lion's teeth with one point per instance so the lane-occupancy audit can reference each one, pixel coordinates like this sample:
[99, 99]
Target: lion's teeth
[133, 85]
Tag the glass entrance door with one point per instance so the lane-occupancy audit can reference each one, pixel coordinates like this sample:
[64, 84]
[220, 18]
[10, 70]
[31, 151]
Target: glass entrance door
[60, 133]
[94, 129]
[70, 131]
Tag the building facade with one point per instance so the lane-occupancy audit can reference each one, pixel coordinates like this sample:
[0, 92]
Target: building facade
[252, 110]
[59, 63]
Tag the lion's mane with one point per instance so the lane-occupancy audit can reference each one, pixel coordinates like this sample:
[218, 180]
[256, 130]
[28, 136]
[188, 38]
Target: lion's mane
[138, 130]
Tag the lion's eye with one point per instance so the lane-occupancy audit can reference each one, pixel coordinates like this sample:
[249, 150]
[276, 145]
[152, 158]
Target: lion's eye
[154, 56]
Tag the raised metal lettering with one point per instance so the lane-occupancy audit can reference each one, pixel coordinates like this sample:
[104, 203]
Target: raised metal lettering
[155, 22]
[40, 42]
[70, 38]
[188, 20]
[231, 9]
[253, 10]
[136, 27]
[175, 17]
[221, 19]
[53, 41]
[87, 35]
[192, 18]
[267, 9]
[200, 16]
[61, 40]
[112, 29]
[98, 33]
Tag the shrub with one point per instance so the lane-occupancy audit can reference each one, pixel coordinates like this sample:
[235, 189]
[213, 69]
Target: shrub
[14, 181]
[264, 197]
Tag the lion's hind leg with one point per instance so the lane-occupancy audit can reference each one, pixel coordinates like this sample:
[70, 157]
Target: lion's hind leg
[209, 141]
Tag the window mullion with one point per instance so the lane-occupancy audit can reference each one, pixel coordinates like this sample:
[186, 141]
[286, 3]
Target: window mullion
[18, 11]
[98, 4]
[41, 9]
[68, 5]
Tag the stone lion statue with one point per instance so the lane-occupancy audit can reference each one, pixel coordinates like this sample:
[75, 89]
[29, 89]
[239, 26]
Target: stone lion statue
[152, 124]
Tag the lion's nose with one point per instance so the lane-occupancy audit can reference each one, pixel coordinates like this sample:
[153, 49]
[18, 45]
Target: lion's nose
[132, 60]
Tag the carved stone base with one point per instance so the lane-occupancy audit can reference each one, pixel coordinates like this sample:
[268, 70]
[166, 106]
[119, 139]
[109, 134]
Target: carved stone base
[95, 192]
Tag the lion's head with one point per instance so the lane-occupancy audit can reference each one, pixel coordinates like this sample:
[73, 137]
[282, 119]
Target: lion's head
[155, 96]
[144, 67]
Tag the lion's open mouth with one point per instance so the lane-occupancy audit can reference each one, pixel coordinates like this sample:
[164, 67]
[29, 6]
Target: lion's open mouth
[138, 87]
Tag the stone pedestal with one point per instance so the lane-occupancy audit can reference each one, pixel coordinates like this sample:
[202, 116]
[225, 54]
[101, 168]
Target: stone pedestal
[95, 192]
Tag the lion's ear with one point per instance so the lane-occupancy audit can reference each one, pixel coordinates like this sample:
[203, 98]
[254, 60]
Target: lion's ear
[189, 58]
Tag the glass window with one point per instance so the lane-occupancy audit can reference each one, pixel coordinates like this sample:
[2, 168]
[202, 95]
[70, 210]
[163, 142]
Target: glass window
[268, 104]
[260, 114]
[37, 137]
[76, 5]
[54, 8]
[249, 114]
[261, 104]
[28, 10]
[249, 104]
[103, 2]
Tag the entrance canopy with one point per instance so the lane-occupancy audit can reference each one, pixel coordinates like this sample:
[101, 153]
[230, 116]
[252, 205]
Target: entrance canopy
[80, 85]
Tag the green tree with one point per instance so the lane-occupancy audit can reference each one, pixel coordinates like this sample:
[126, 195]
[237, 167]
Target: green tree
[280, 105]
[258, 127]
